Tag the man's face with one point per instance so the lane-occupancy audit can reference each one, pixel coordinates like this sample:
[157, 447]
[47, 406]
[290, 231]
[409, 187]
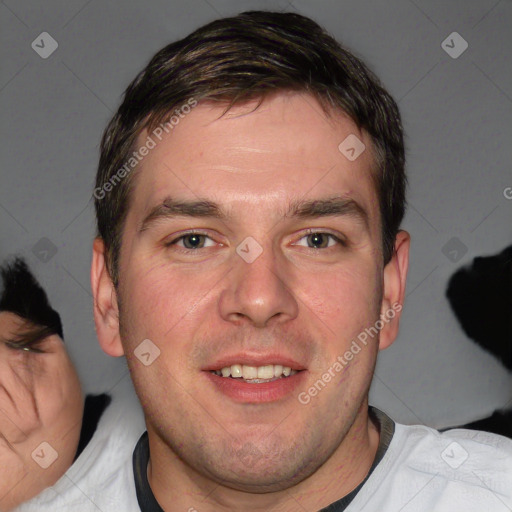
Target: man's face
[40, 402]
[260, 284]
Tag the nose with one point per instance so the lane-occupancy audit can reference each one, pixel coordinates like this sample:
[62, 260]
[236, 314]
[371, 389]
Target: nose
[258, 292]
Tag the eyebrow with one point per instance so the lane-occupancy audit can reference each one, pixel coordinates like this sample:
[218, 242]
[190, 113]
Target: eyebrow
[335, 206]
[303, 209]
[170, 208]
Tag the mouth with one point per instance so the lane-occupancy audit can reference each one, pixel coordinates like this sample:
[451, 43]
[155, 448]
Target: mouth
[256, 383]
[255, 374]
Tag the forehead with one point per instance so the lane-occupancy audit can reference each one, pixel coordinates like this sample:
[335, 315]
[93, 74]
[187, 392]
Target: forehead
[267, 157]
[9, 322]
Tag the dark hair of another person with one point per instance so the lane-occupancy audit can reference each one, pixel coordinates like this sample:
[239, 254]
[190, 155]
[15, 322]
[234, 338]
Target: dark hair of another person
[24, 296]
[242, 58]
[480, 295]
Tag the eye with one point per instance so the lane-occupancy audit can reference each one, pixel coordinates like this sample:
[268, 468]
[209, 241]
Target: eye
[320, 240]
[192, 241]
[25, 348]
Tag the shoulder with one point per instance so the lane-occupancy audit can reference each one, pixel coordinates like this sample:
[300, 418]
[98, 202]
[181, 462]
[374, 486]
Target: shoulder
[456, 453]
[425, 470]
[457, 465]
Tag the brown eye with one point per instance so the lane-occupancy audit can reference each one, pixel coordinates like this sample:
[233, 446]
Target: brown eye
[192, 241]
[320, 240]
[21, 347]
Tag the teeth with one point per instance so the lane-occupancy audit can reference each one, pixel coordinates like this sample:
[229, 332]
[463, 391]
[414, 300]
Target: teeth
[236, 370]
[246, 372]
[278, 370]
[249, 372]
[266, 372]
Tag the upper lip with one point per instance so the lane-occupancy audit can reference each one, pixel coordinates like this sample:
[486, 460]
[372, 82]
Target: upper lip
[254, 360]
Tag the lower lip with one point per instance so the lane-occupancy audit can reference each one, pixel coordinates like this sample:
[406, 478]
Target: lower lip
[244, 392]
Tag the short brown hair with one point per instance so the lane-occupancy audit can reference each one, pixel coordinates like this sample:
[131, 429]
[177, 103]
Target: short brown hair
[238, 59]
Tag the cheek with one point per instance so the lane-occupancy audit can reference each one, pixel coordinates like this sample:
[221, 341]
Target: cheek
[156, 296]
[154, 303]
[345, 299]
[60, 394]
[146, 293]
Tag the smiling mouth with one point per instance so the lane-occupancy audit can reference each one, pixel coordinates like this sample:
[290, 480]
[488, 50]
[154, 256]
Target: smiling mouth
[255, 374]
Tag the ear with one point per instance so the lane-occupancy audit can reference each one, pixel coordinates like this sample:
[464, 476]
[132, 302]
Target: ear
[105, 307]
[395, 275]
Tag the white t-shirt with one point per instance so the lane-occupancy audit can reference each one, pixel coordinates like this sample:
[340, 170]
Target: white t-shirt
[417, 469]
[422, 470]
[101, 479]
[427, 471]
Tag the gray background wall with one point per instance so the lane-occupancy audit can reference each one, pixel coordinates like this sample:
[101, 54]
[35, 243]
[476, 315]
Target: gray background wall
[457, 114]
